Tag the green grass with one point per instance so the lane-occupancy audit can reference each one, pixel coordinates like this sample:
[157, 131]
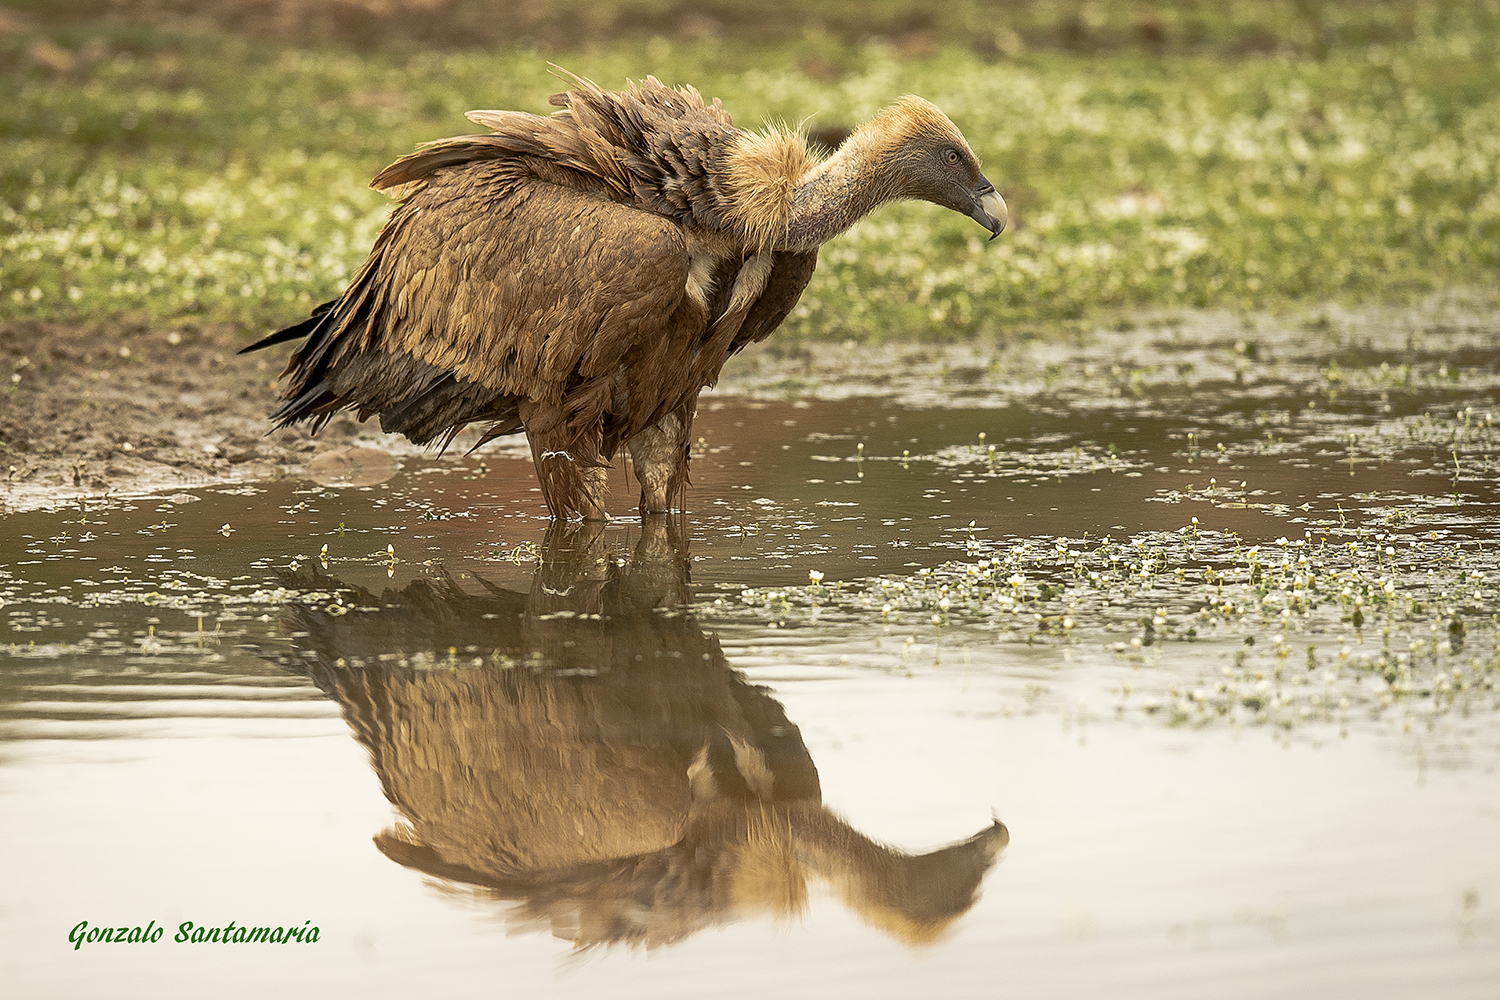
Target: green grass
[171, 176]
[990, 27]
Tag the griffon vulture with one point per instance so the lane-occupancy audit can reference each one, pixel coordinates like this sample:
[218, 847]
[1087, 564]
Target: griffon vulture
[583, 276]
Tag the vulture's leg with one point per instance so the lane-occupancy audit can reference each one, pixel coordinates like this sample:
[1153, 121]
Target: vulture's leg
[572, 485]
[570, 489]
[595, 487]
[660, 455]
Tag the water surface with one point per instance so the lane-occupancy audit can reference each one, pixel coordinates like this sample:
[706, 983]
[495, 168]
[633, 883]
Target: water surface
[1158, 683]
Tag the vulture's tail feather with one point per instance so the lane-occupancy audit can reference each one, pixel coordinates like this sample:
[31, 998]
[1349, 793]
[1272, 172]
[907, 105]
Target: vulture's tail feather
[445, 407]
[319, 401]
[421, 401]
[295, 331]
[501, 427]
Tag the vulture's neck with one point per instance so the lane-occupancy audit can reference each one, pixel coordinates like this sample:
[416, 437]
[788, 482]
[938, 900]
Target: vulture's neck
[837, 193]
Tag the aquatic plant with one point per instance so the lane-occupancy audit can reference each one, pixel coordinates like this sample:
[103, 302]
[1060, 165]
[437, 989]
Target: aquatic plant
[1342, 619]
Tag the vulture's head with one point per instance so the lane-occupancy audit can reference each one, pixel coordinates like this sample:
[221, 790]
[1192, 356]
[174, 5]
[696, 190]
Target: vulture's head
[926, 157]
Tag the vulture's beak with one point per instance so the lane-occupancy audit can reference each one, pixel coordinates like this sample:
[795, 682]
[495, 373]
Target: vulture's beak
[989, 208]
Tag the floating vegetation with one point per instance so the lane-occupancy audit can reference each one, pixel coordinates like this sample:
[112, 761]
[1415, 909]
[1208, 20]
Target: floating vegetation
[1013, 458]
[1312, 628]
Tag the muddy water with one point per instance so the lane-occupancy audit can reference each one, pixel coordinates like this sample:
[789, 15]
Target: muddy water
[1159, 689]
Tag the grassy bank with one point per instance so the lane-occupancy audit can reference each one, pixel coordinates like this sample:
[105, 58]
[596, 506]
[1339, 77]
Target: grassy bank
[170, 175]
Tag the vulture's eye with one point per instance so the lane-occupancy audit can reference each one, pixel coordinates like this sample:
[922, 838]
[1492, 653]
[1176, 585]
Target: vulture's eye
[951, 155]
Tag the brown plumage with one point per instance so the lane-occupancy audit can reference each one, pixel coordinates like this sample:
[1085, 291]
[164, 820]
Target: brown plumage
[583, 276]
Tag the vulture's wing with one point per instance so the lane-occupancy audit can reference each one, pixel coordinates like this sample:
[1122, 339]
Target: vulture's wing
[490, 284]
[523, 286]
[790, 274]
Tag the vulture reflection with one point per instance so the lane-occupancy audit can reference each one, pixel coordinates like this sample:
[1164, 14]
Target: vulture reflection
[586, 753]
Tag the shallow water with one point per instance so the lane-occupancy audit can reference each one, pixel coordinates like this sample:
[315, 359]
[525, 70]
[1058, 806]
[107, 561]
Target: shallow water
[1235, 706]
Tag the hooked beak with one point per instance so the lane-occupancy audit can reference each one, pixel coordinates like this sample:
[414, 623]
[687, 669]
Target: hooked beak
[989, 208]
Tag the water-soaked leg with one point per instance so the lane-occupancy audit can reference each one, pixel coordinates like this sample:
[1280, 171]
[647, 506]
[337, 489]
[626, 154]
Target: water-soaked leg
[660, 456]
[595, 479]
[574, 479]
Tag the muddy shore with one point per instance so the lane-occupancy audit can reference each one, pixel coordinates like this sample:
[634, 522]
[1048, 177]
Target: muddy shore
[91, 411]
[130, 408]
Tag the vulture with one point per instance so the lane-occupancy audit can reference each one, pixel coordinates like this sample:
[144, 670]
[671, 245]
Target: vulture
[582, 276]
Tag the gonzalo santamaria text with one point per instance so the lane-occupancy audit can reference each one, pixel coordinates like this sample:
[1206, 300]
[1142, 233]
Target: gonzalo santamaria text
[189, 933]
